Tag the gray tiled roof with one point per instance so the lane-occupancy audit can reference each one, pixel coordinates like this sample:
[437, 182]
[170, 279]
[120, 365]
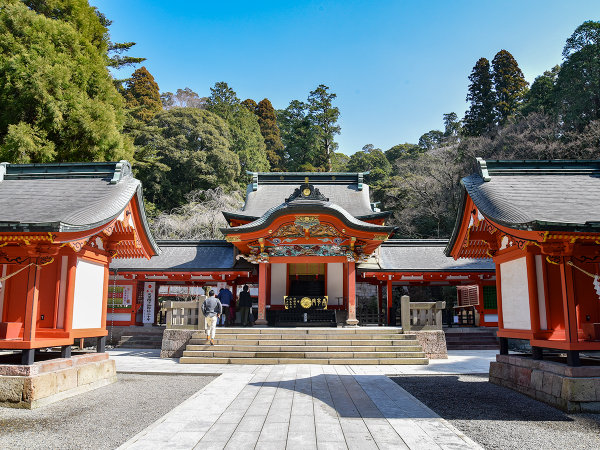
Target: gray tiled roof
[63, 197]
[299, 206]
[410, 255]
[347, 196]
[187, 256]
[538, 195]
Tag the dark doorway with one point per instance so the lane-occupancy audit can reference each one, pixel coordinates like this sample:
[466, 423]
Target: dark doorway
[307, 285]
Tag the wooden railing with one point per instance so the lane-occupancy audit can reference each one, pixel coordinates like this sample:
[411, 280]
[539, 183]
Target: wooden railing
[185, 315]
[421, 315]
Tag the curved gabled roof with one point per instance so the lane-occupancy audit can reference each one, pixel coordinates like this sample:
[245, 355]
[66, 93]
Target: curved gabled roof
[270, 189]
[67, 197]
[538, 195]
[307, 207]
[550, 195]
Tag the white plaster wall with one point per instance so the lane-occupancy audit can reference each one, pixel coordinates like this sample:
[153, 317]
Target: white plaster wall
[541, 291]
[515, 295]
[89, 287]
[60, 318]
[335, 283]
[278, 283]
[118, 317]
[2, 284]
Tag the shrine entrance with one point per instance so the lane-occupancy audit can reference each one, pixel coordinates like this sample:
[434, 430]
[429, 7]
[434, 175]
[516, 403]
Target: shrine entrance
[306, 280]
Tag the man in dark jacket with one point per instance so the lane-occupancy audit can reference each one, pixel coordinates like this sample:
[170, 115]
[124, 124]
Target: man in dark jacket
[225, 296]
[245, 303]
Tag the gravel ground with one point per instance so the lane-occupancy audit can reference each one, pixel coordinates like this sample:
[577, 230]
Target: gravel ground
[499, 418]
[100, 419]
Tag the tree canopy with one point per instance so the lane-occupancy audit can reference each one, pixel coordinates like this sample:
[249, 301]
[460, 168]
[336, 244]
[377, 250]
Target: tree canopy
[68, 109]
[142, 95]
[194, 145]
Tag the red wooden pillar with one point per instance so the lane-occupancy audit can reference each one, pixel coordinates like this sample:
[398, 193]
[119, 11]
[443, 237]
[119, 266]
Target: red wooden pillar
[31, 307]
[534, 306]
[379, 297]
[390, 294]
[351, 295]
[570, 315]
[499, 296]
[262, 293]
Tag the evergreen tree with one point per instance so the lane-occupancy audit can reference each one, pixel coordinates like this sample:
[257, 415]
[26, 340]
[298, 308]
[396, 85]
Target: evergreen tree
[194, 145]
[57, 98]
[479, 119]
[451, 127]
[541, 98]
[299, 137]
[578, 83]
[401, 151]
[142, 96]
[324, 117]
[267, 120]
[246, 140]
[509, 84]
[223, 101]
[250, 105]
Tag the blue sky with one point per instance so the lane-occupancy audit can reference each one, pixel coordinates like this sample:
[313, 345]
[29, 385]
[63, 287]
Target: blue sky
[395, 66]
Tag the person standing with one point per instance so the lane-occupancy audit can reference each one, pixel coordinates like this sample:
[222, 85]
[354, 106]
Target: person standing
[225, 297]
[211, 310]
[245, 303]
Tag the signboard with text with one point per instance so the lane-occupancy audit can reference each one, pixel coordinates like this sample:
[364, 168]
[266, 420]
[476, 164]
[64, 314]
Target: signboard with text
[149, 297]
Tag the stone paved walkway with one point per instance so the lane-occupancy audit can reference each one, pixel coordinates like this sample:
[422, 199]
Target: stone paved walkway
[300, 407]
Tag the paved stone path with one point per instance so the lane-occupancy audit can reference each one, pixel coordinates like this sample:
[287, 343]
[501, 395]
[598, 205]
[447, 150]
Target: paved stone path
[300, 407]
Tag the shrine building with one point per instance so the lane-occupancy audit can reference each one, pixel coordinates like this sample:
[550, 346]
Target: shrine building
[61, 226]
[303, 242]
[540, 222]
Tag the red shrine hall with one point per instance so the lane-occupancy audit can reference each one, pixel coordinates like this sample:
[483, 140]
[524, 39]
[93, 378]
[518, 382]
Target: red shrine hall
[61, 226]
[540, 222]
[303, 242]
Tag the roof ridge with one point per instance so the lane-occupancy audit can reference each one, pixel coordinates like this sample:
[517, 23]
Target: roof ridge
[499, 167]
[114, 170]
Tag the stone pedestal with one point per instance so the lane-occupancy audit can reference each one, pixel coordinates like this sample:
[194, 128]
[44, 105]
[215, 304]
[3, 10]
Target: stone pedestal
[433, 343]
[572, 389]
[174, 342]
[49, 381]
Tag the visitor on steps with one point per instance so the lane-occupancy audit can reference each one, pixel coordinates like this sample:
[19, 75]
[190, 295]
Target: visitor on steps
[245, 303]
[211, 310]
[225, 297]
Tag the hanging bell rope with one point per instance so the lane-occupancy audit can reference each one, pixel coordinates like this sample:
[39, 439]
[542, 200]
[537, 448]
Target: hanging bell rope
[595, 276]
[589, 274]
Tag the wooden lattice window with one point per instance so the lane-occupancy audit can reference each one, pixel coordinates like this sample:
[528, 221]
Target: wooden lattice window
[467, 296]
[489, 297]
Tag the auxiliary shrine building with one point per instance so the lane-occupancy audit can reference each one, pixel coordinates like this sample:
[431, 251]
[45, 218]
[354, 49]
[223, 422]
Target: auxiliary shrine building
[304, 242]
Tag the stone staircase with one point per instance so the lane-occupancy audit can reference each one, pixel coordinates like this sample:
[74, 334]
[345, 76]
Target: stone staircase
[150, 339]
[363, 345]
[471, 339]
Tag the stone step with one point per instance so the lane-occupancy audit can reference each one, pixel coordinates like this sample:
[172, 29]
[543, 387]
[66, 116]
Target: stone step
[473, 347]
[295, 330]
[311, 348]
[327, 342]
[301, 354]
[295, 336]
[363, 361]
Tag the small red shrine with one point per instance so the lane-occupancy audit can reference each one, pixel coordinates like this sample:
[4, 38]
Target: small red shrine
[61, 226]
[540, 222]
